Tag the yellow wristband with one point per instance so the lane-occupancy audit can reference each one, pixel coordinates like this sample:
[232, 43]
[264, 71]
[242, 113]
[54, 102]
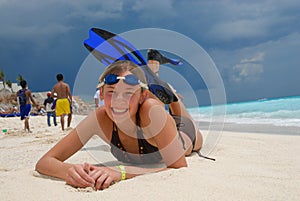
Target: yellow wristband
[123, 172]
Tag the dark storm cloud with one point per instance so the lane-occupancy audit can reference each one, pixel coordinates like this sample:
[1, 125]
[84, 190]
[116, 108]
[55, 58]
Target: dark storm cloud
[246, 39]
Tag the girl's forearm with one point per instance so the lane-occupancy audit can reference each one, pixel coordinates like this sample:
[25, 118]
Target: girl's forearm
[52, 167]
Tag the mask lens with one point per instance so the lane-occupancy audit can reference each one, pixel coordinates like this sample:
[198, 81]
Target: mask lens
[131, 80]
[111, 79]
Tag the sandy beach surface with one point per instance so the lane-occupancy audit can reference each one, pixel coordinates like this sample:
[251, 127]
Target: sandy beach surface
[248, 166]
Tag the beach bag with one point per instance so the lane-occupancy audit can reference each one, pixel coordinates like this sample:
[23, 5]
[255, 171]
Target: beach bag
[21, 97]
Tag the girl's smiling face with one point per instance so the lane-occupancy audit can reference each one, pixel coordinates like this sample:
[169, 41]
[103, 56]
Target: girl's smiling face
[122, 100]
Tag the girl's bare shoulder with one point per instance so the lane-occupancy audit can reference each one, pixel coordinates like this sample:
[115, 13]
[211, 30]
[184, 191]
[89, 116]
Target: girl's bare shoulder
[150, 102]
[151, 107]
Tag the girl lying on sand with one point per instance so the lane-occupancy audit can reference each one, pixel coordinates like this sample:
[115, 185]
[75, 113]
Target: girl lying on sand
[136, 126]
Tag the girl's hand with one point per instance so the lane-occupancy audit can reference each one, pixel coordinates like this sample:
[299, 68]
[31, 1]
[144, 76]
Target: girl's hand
[104, 176]
[78, 176]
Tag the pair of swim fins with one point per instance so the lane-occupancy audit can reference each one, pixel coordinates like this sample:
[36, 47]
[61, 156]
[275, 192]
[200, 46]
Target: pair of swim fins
[108, 47]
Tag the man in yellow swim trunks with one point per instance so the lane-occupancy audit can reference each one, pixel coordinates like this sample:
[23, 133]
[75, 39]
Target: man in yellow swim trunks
[64, 98]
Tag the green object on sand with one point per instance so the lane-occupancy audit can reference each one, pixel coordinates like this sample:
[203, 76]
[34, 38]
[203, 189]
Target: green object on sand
[4, 130]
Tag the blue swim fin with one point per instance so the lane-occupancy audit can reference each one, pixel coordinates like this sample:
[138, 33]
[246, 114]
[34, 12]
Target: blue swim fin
[157, 56]
[108, 47]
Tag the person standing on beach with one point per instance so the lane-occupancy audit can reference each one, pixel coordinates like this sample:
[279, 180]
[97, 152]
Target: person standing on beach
[98, 101]
[48, 103]
[64, 100]
[24, 99]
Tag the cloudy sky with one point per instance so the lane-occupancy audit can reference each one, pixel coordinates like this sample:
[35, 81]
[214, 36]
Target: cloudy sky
[255, 44]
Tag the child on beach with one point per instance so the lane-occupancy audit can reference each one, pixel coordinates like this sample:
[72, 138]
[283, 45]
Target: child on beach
[48, 103]
[137, 127]
[24, 99]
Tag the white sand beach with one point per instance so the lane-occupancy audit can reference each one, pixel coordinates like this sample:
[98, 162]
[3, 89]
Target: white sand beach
[248, 166]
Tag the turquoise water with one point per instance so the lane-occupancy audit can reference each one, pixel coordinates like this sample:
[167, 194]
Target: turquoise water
[279, 112]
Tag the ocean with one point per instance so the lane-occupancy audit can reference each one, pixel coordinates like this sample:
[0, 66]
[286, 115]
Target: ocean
[266, 116]
[277, 115]
[283, 112]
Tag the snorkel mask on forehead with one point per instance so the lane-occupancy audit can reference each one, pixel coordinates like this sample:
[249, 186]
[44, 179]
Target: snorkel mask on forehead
[131, 79]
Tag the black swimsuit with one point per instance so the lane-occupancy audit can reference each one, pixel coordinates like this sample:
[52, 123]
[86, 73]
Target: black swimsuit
[147, 153]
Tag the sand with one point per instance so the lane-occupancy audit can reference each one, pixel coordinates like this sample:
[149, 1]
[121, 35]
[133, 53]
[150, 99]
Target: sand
[248, 166]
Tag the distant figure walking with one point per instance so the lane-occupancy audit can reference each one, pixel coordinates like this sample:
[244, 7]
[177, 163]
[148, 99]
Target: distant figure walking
[64, 100]
[24, 98]
[50, 109]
